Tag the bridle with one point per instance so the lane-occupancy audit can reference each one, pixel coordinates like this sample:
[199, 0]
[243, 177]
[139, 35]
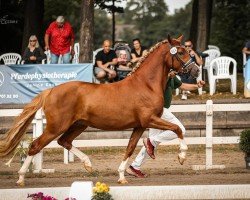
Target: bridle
[174, 52]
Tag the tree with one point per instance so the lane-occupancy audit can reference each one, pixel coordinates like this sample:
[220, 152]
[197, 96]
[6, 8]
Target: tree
[147, 16]
[110, 6]
[231, 27]
[12, 20]
[200, 26]
[86, 31]
[179, 23]
[101, 22]
[33, 20]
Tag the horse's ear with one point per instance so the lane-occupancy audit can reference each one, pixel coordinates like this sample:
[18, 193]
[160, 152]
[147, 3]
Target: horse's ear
[179, 39]
[169, 39]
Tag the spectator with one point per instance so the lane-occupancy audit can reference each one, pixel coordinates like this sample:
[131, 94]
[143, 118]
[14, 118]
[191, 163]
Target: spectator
[157, 136]
[138, 51]
[194, 70]
[122, 59]
[246, 49]
[105, 62]
[59, 39]
[33, 53]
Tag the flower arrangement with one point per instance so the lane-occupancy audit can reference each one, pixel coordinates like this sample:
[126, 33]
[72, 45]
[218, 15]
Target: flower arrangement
[101, 192]
[40, 196]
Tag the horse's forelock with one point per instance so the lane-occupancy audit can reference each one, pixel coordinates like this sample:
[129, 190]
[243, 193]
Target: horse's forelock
[176, 42]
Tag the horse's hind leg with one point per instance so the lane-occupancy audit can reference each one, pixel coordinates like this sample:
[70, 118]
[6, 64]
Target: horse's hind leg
[36, 146]
[136, 135]
[23, 170]
[66, 141]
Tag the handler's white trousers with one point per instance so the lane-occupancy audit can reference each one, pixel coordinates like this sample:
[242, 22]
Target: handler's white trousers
[157, 136]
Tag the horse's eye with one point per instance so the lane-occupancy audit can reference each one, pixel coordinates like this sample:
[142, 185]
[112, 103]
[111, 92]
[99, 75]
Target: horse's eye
[181, 53]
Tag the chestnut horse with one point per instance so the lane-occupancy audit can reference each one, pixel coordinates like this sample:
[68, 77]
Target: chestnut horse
[135, 102]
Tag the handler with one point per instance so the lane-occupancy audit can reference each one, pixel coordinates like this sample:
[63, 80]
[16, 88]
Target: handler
[157, 136]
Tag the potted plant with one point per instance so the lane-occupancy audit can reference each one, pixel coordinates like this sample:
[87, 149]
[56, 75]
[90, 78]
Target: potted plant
[245, 146]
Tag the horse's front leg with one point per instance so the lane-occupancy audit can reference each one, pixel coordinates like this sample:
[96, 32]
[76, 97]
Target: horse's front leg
[162, 124]
[136, 135]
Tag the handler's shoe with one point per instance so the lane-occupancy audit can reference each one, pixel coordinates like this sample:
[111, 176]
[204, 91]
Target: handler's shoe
[135, 172]
[149, 147]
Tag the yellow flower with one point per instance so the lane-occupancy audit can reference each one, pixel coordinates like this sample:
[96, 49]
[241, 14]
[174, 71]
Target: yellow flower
[101, 187]
[106, 190]
[97, 184]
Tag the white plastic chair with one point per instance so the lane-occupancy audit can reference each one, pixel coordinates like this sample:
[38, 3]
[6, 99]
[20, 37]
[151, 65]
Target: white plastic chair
[213, 47]
[77, 53]
[212, 54]
[81, 190]
[11, 58]
[199, 78]
[48, 55]
[219, 69]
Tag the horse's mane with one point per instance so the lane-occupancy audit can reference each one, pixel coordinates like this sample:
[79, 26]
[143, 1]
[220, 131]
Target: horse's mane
[139, 63]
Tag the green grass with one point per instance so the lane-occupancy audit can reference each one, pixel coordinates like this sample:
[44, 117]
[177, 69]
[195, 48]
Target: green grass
[163, 149]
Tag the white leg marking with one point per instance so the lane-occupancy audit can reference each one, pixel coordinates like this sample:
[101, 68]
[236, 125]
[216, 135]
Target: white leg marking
[83, 157]
[121, 170]
[183, 149]
[23, 170]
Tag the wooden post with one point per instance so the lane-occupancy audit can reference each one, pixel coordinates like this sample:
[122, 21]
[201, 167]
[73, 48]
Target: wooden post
[38, 130]
[209, 134]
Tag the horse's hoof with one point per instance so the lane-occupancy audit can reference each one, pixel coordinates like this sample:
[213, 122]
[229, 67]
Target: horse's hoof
[122, 181]
[88, 168]
[181, 159]
[20, 183]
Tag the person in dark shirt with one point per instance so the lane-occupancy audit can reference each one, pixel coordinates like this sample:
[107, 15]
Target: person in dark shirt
[138, 51]
[33, 54]
[105, 62]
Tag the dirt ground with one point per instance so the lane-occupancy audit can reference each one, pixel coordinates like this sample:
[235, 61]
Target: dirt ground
[164, 170]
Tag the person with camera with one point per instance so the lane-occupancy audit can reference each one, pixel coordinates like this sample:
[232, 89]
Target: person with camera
[194, 70]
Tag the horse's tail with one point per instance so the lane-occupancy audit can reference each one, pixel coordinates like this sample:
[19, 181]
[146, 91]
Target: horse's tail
[11, 139]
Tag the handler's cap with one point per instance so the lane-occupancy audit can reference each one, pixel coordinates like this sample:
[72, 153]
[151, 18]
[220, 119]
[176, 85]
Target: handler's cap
[60, 19]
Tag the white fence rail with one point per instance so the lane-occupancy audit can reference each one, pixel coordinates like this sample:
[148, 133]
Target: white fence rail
[209, 140]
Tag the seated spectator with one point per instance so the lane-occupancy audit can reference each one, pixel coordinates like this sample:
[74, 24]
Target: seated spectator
[193, 71]
[122, 51]
[105, 62]
[33, 54]
[138, 51]
[122, 59]
[246, 49]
